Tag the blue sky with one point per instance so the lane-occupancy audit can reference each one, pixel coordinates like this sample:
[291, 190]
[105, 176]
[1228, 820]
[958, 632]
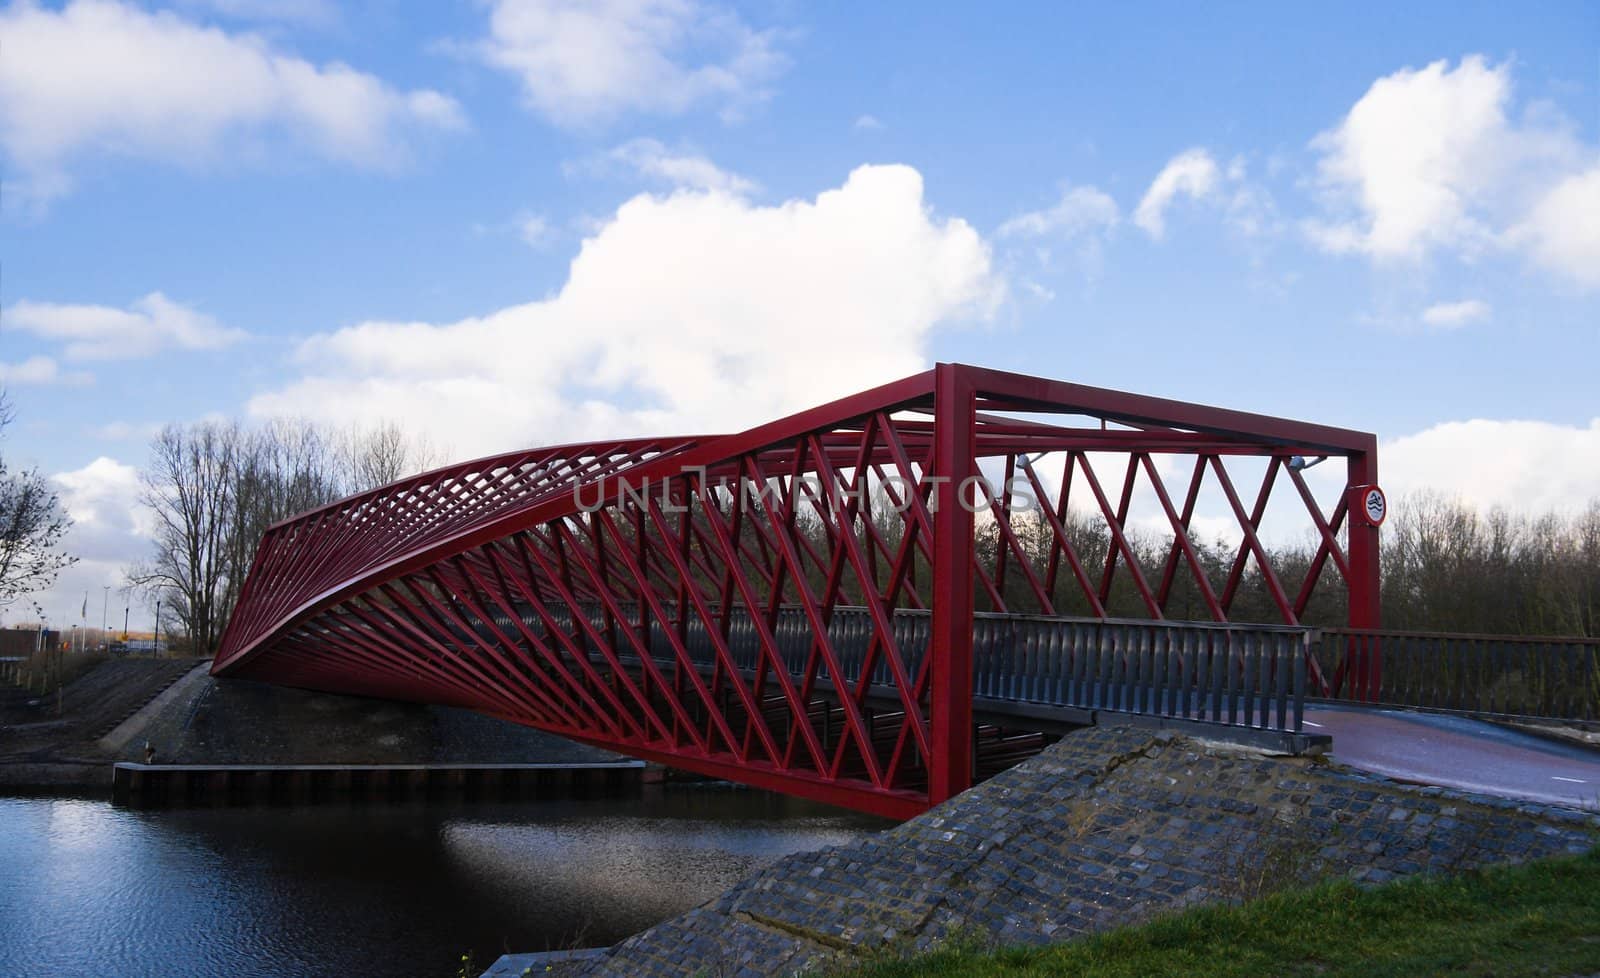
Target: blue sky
[1385, 217]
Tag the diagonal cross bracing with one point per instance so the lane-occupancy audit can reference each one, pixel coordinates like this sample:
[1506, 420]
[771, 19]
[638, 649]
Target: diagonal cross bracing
[804, 606]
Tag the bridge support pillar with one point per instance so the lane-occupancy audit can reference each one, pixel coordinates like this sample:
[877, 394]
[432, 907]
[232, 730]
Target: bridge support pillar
[950, 697]
[1365, 658]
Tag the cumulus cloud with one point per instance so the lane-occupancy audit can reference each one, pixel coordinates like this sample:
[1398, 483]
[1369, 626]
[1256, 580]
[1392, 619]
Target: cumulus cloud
[580, 62]
[110, 530]
[868, 123]
[1527, 466]
[1415, 156]
[697, 311]
[1563, 230]
[650, 159]
[1454, 315]
[104, 76]
[1192, 173]
[104, 495]
[1432, 159]
[149, 325]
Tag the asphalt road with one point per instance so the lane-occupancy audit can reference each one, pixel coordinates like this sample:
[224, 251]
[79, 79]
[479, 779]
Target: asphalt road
[1456, 752]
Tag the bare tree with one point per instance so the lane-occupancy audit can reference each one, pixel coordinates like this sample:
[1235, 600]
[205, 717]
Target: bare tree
[216, 488]
[377, 456]
[190, 486]
[32, 525]
[285, 467]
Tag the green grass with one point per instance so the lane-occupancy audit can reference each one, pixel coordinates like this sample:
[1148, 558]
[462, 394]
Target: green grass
[1542, 918]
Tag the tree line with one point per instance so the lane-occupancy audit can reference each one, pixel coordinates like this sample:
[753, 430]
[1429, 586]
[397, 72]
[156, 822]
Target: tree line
[1445, 566]
[1448, 567]
[214, 488]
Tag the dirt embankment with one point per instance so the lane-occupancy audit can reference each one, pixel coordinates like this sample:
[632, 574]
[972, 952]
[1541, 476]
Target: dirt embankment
[239, 722]
[187, 717]
[52, 740]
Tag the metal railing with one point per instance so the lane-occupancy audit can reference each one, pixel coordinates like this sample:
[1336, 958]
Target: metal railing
[1495, 675]
[1240, 675]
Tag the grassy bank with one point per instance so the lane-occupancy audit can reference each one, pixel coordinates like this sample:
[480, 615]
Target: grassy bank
[1539, 919]
[42, 672]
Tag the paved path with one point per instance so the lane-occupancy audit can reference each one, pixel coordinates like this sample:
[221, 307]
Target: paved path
[1456, 752]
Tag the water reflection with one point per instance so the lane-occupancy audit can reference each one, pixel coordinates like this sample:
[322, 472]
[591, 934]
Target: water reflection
[86, 888]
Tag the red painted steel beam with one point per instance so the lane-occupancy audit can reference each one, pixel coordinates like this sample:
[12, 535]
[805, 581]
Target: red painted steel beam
[950, 767]
[542, 587]
[1037, 394]
[1365, 609]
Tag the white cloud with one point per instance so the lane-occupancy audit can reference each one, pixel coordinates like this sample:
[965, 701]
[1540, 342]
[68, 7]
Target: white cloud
[653, 161]
[1526, 466]
[582, 62]
[868, 123]
[110, 531]
[1080, 211]
[1414, 156]
[697, 311]
[150, 324]
[1431, 160]
[1454, 315]
[1563, 229]
[104, 494]
[102, 76]
[39, 371]
[1192, 173]
[34, 370]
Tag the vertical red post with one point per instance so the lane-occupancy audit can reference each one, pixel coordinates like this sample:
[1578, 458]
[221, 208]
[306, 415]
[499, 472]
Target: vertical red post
[950, 698]
[1366, 671]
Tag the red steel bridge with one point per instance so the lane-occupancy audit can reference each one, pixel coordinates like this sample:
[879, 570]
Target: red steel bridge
[870, 603]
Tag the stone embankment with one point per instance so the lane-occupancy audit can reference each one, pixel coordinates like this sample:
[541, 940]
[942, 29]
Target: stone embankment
[1109, 827]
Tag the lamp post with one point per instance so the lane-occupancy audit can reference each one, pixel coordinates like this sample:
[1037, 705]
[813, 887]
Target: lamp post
[40, 653]
[105, 603]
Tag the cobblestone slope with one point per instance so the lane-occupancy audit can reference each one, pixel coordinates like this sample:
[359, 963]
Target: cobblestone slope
[1108, 827]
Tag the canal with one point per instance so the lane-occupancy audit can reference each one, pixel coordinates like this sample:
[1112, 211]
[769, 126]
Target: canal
[372, 890]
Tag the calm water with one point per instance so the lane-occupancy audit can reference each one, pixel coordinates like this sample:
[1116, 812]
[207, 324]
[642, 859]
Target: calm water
[371, 891]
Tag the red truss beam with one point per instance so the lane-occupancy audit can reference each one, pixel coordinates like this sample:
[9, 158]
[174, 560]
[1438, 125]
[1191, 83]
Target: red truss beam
[791, 606]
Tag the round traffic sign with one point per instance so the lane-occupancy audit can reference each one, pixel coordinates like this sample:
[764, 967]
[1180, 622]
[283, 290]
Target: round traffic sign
[1374, 505]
